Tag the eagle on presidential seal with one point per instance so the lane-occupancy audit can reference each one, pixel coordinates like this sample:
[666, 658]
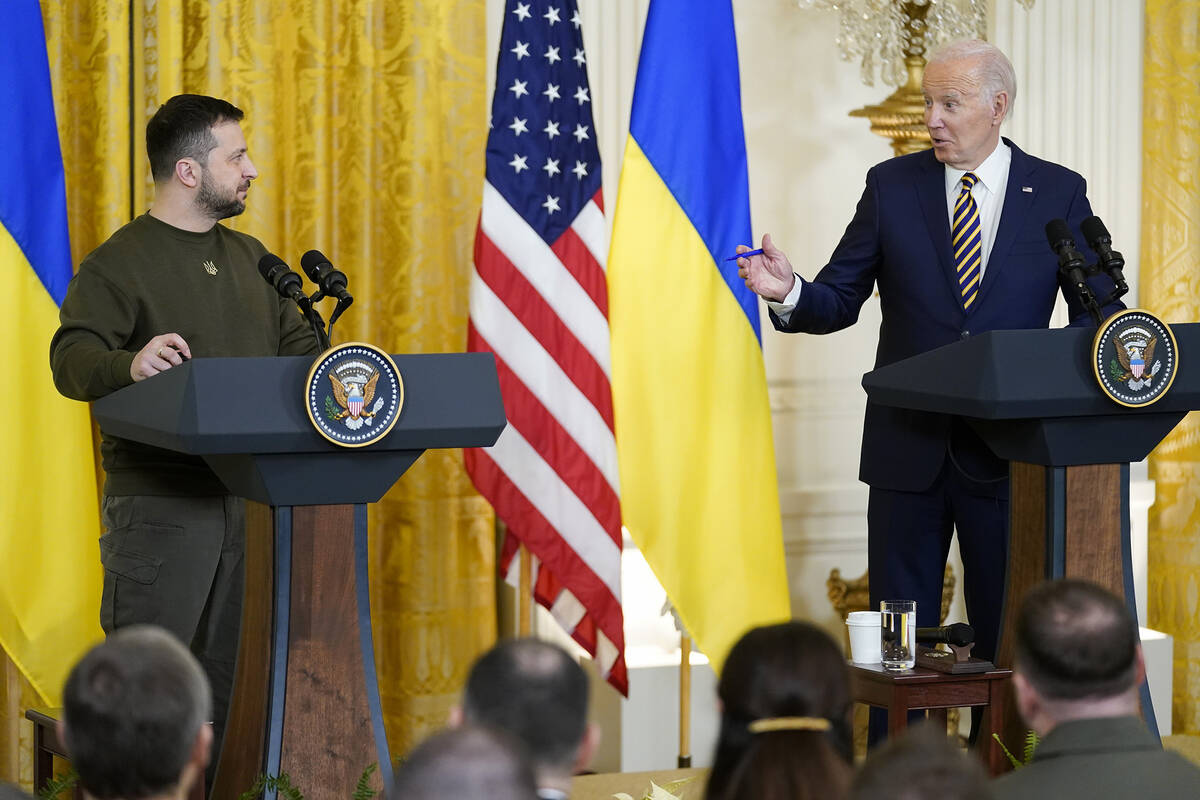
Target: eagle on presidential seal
[1135, 354]
[354, 396]
[1135, 365]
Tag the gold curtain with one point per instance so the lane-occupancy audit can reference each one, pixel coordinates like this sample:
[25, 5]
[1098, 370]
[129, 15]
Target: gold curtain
[367, 120]
[1170, 288]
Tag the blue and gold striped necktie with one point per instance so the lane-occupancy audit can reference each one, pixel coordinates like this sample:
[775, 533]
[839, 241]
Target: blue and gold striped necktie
[967, 242]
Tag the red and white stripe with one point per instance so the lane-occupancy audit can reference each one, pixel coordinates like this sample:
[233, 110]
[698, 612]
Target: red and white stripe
[552, 475]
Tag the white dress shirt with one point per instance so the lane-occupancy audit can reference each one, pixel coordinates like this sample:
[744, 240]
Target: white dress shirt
[988, 194]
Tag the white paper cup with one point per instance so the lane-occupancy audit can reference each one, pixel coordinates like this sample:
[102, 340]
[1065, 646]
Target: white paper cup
[864, 627]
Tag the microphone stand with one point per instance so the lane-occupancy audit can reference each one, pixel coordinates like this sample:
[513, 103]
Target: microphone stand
[1113, 266]
[1075, 271]
[309, 309]
[342, 304]
[1086, 295]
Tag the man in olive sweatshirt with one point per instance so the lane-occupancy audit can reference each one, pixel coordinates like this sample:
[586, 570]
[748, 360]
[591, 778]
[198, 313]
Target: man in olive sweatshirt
[1078, 672]
[171, 285]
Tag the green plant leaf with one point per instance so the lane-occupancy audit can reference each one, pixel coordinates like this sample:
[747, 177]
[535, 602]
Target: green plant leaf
[1031, 743]
[1012, 759]
[281, 784]
[59, 786]
[363, 790]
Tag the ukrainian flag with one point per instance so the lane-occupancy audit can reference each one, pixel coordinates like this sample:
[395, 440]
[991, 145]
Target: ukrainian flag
[50, 577]
[694, 442]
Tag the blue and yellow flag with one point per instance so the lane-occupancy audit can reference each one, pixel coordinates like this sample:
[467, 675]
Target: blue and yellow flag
[50, 576]
[694, 442]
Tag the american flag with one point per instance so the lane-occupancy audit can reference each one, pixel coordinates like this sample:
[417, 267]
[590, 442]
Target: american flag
[539, 302]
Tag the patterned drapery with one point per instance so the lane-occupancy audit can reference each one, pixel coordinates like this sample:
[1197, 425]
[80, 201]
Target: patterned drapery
[1170, 288]
[367, 120]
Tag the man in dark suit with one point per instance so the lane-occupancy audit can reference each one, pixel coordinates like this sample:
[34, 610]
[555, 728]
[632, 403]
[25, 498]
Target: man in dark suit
[954, 239]
[1078, 671]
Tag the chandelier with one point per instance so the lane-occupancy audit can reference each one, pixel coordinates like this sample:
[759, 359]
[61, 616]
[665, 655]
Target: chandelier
[890, 38]
[877, 34]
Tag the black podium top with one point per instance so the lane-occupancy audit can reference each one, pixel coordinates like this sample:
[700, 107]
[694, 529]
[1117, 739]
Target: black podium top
[247, 418]
[1033, 397]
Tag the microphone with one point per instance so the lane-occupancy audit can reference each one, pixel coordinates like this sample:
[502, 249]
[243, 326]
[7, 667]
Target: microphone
[1063, 243]
[959, 634]
[328, 278]
[1071, 264]
[1100, 241]
[286, 282]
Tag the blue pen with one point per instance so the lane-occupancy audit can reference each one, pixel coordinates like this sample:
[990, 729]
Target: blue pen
[746, 254]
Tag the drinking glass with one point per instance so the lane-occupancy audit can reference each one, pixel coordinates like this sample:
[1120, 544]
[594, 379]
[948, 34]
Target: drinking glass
[898, 634]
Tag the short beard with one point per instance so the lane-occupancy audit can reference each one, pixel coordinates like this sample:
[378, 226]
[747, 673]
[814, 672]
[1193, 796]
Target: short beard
[216, 206]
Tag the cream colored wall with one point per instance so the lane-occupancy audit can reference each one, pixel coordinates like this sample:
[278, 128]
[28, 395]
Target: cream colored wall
[1078, 65]
[808, 160]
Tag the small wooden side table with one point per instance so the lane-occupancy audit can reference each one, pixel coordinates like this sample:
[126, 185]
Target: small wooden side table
[925, 689]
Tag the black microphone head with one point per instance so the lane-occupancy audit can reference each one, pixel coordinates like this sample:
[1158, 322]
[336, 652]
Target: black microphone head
[268, 267]
[1058, 233]
[311, 263]
[277, 273]
[960, 633]
[324, 274]
[1095, 232]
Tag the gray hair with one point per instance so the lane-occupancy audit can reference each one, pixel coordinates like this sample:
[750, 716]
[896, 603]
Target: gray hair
[995, 70]
[467, 763]
[132, 709]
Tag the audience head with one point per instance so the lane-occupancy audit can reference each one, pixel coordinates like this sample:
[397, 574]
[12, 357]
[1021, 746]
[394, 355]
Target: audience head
[135, 713]
[465, 763]
[1077, 655]
[537, 693]
[785, 717]
[920, 764]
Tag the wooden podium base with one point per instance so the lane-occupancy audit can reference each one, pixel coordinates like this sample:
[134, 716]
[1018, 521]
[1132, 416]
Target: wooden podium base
[1065, 522]
[306, 696]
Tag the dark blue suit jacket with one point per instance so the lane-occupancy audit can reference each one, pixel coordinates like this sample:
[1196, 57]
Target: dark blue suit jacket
[900, 239]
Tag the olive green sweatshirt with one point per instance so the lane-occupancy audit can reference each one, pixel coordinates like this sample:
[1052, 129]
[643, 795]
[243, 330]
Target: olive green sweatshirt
[151, 278]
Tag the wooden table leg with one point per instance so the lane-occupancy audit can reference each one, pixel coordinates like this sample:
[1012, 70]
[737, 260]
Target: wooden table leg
[43, 760]
[898, 712]
[997, 693]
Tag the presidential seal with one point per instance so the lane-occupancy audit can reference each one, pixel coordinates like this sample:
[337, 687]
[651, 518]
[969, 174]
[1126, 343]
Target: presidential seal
[1135, 358]
[354, 394]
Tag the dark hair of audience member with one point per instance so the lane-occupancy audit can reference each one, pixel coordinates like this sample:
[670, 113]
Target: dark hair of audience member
[792, 670]
[466, 763]
[536, 692]
[132, 710]
[182, 128]
[919, 764]
[1076, 640]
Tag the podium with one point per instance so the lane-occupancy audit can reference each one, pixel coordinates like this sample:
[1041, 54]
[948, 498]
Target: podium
[1032, 397]
[306, 697]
